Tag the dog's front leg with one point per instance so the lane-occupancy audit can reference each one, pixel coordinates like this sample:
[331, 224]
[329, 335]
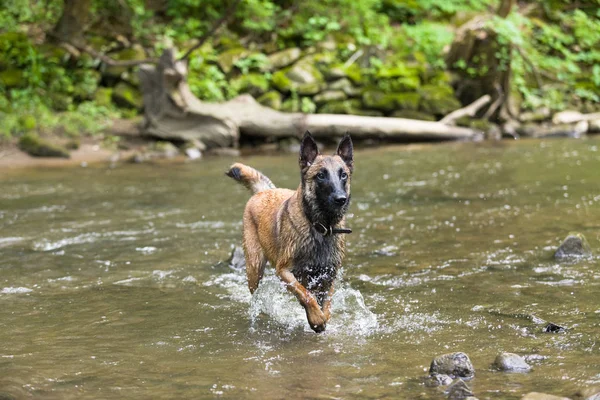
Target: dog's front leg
[315, 316]
[327, 304]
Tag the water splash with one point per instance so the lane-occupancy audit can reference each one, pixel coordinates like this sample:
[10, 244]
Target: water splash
[273, 303]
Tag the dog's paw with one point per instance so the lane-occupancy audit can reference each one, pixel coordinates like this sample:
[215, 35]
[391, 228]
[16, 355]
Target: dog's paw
[316, 320]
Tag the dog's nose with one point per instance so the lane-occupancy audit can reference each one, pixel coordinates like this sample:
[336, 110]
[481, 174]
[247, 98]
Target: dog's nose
[340, 200]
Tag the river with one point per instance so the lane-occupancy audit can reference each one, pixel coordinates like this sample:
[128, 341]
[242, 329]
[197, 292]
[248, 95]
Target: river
[112, 283]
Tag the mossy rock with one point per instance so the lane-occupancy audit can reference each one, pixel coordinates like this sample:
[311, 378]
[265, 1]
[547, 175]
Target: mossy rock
[399, 70]
[340, 107]
[12, 78]
[346, 86]
[53, 53]
[330, 95]
[35, 146]
[271, 99]
[284, 58]
[379, 100]
[401, 84]
[86, 83]
[253, 83]
[133, 53]
[27, 122]
[367, 113]
[305, 79]
[438, 99]
[127, 96]
[60, 101]
[103, 96]
[299, 104]
[304, 72]
[227, 59]
[352, 72]
[412, 114]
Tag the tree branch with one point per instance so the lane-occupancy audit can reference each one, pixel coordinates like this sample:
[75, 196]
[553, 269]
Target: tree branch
[469, 110]
[226, 16]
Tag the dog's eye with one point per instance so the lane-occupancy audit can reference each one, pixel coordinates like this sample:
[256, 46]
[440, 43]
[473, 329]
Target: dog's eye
[321, 176]
[344, 176]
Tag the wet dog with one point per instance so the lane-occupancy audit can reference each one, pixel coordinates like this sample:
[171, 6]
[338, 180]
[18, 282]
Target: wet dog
[300, 232]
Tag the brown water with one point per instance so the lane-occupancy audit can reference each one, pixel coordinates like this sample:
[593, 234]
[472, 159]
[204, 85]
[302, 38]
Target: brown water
[111, 286]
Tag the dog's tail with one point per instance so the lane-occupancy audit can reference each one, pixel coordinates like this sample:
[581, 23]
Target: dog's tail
[249, 177]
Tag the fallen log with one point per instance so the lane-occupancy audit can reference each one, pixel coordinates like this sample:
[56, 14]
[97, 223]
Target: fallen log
[172, 112]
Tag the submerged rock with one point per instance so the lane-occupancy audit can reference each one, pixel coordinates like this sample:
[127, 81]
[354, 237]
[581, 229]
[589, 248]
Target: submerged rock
[510, 362]
[237, 259]
[591, 393]
[542, 396]
[575, 245]
[553, 328]
[438, 380]
[35, 146]
[457, 365]
[459, 390]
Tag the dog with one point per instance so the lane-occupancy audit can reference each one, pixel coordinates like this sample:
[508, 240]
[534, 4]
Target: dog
[300, 232]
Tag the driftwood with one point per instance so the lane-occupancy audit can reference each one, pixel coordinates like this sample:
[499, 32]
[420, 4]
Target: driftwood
[172, 112]
[468, 111]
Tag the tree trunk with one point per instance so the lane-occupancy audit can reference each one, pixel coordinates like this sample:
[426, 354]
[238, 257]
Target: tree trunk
[72, 22]
[172, 112]
[474, 57]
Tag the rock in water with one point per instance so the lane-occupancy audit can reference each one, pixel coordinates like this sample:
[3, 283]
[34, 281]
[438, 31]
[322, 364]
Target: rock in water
[438, 380]
[459, 390]
[542, 396]
[457, 365]
[237, 260]
[575, 245]
[510, 362]
[553, 328]
[591, 393]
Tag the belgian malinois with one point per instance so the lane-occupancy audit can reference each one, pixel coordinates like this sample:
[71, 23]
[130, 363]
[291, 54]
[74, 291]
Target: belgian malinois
[300, 232]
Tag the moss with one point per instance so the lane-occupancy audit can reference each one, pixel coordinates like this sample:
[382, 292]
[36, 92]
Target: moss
[305, 79]
[271, 99]
[128, 97]
[379, 100]
[281, 81]
[352, 72]
[438, 99]
[330, 95]
[253, 83]
[27, 122]
[35, 146]
[12, 78]
[308, 89]
[135, 52]
[53, 53]
[227, 59]
[284, 58]
[103, 96]
[340, 107]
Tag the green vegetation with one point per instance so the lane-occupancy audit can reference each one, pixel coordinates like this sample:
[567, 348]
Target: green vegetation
[368, 57]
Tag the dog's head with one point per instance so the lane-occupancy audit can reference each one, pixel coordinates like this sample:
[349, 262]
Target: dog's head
[326, 180]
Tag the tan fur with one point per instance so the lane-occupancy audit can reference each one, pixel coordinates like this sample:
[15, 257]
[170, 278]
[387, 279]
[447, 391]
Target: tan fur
[277, 230]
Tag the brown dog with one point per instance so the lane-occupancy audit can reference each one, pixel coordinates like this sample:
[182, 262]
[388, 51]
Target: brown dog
[299, 231]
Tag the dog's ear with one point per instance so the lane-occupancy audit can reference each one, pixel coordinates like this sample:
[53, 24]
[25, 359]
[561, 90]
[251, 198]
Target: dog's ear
[308, 151]
[345, 151]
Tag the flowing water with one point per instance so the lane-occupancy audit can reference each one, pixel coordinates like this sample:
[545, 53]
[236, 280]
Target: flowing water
[112, 283]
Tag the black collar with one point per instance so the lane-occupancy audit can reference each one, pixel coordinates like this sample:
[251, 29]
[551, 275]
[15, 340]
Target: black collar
[324, 230]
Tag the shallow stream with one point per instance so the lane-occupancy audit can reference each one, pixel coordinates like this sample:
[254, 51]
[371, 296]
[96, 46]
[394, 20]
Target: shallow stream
[112, 285]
